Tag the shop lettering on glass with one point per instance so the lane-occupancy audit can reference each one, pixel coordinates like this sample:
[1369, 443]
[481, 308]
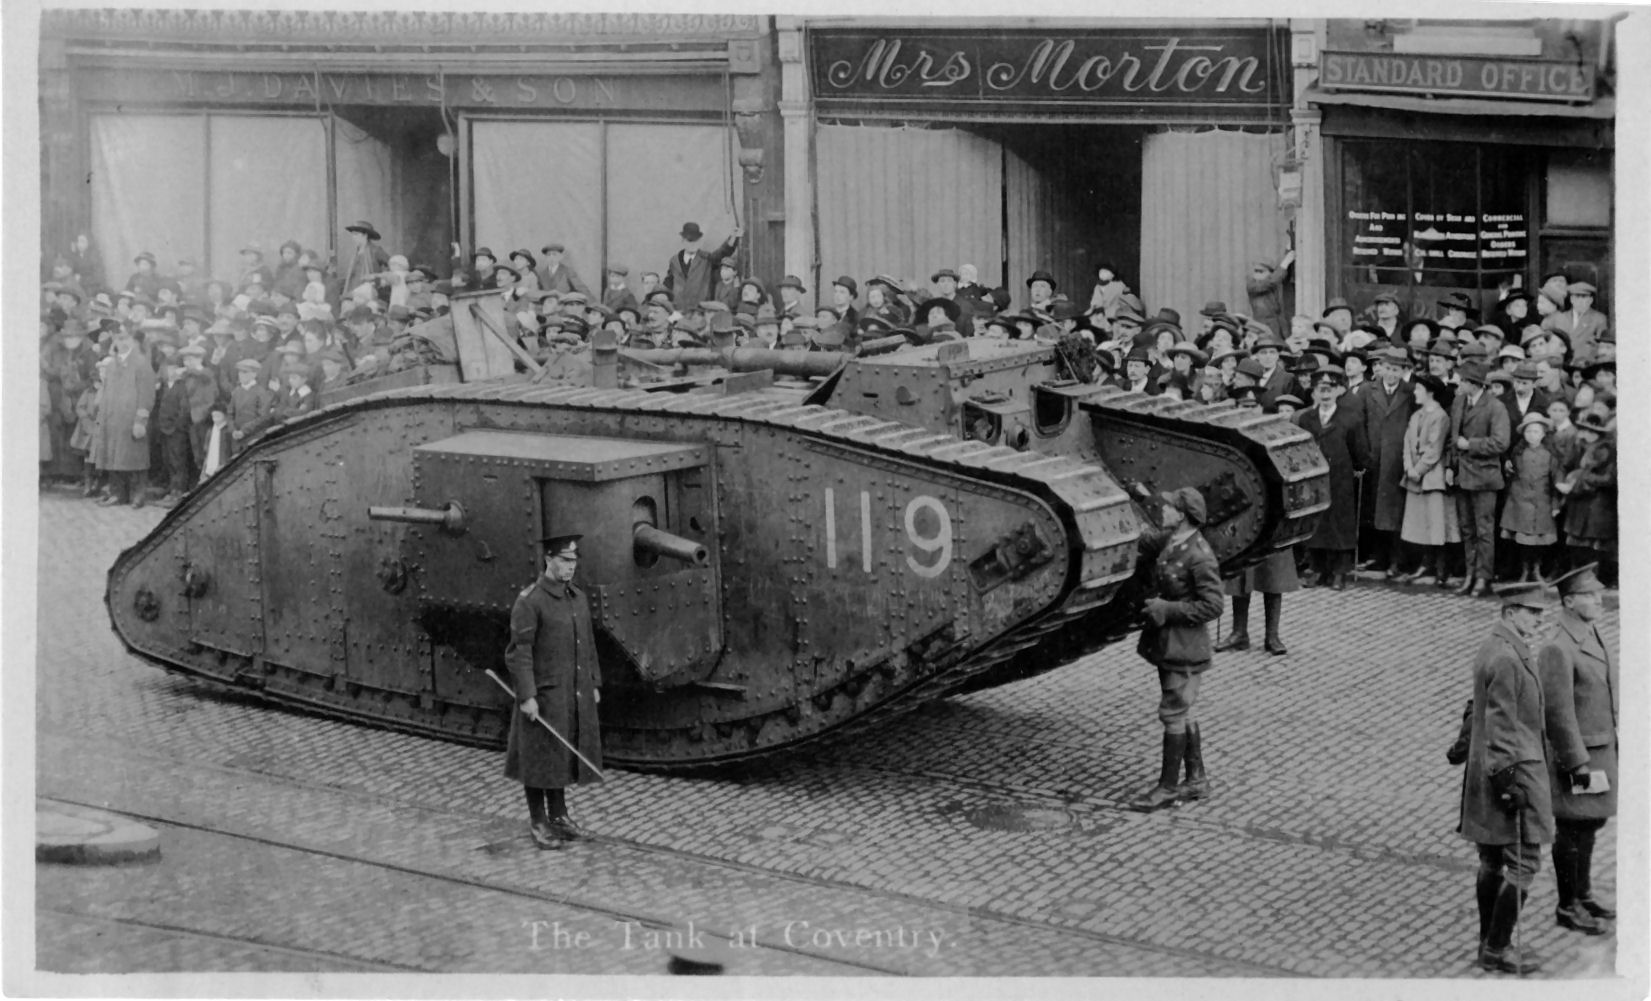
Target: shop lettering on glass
[360, 88]
[1228, 68]
[1378, 235]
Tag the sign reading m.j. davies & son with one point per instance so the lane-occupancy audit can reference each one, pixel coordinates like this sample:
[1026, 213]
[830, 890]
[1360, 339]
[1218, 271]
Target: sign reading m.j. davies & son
[1216, 71]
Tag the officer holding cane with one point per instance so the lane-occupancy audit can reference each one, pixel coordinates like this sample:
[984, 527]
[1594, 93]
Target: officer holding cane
[1506, 807]
[552, 662]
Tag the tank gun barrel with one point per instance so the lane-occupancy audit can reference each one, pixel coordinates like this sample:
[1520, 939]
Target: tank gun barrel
[780, 360]
[658, 542]
[449, 519]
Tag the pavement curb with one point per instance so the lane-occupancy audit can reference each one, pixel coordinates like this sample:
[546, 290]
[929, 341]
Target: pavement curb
[77, 835]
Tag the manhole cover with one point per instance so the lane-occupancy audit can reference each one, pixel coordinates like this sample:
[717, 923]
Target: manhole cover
[1019, 818]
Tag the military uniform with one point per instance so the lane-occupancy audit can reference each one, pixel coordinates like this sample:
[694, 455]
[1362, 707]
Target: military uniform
[552, 661]
[1581, 694]
[1185, 584]
[1505, 808]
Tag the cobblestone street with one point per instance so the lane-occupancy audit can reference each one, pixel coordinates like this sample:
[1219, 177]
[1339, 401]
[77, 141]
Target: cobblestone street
[980, 836]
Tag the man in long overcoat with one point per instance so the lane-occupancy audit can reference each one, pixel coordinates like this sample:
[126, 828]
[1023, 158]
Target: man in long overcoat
[1581, 696]
[553, 666]
[123, 419]
[1387, 405]
[691, 271]
[1185, 583]
[1479, 435]
[1506, 807]
[1339, 432]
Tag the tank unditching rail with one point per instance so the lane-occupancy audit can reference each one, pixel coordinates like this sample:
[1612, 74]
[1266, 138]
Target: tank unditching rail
[1098, 514]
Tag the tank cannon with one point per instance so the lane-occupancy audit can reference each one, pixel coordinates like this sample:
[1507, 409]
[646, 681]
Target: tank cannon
[767, 562]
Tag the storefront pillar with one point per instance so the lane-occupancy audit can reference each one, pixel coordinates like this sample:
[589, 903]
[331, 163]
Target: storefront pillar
[1312, 255]
[797, 114]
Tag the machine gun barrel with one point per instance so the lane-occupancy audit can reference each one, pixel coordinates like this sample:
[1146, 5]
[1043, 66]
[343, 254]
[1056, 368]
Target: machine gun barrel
[450, 518]
[658, 542]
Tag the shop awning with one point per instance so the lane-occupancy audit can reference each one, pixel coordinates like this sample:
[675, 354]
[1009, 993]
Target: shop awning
[1604, 109]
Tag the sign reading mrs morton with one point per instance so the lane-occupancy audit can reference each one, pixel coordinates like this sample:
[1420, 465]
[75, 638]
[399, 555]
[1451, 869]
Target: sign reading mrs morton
[1207, 72]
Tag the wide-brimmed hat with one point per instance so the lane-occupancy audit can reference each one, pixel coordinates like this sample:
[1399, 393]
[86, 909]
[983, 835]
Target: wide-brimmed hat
[363, 226]
[525, 254]
[1190, 350]
[1217, 359]
[950, 306]
[1042, 276]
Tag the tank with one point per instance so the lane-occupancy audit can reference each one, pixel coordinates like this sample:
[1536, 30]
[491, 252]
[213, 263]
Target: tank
[778, 545]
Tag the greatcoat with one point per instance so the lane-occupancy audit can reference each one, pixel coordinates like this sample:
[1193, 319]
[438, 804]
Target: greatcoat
[1345, 451]
[1386, 418]
[1591, 506]
[552, 655]
[1580, 695]
[128, 390]
[1506, 732]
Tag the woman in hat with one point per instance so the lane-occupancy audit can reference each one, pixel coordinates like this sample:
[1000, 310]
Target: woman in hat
[886, 300]
[1429, 522]
[1532, 497]
[1590, 493]
[752, 297]
[1108, 292]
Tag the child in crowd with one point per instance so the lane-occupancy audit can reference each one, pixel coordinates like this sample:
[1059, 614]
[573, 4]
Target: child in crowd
[1533, 477]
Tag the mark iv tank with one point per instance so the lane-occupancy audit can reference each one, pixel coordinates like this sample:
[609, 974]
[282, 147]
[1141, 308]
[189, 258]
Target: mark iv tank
[778, 545]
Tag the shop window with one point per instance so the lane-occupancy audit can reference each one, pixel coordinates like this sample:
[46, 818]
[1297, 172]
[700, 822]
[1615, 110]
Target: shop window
[1421, 216]
[1579, 190]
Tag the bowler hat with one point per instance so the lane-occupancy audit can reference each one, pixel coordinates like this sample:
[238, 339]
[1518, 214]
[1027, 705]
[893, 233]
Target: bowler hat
[1592, 420]
[1214, 308]
[690, 231]
[792, 281]
[1251, 368]
[1334, 304]
[1532, 594]
[1330, 373]
[1499, 376]
[532, 262]
[1578, 581]
[1457, 300]
[944, 273]
[1140, 354]
[1525, 370]
[1042, 276]
[1245, 394]
[1267, 340]
[363, 226]
[510, 270]
[849, 283]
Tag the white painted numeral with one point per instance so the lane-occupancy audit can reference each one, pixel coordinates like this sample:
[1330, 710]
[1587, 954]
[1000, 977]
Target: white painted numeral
[939, 542]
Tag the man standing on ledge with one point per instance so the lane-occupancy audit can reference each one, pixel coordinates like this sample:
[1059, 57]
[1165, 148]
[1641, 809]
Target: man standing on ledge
[1186, 586]
[691, 272]
[553, 666]
[1506, 806]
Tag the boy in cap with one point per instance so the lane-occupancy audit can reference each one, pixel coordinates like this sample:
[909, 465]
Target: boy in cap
[1185, 597]
[144, 281]
[617, 295]
[172, 426]
[556, 677]
[250, 403]
[296, 397]
[726, 289]
[843, 293]
[791, 290]
[555, 274]
[1581, 695]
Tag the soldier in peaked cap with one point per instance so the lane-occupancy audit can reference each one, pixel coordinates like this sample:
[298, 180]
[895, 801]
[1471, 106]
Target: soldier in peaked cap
[556, 676]
[1185, 596]
[1506, 798]
[1581, 695]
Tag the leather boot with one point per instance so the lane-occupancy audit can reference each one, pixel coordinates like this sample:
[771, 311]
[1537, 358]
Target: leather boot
[1239, 638]
[1197, 785]
[1163, 794]
[1585, 882]
[1272, 608]
[1497, 954]
[1570, 914]
[1485, 891]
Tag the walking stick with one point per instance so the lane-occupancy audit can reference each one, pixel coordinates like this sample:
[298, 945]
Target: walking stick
[1358, 515]
[541, 721]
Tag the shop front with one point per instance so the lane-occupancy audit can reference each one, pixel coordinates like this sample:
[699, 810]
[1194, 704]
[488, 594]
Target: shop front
[603, 133]
[1451, 170]
[1059, 146]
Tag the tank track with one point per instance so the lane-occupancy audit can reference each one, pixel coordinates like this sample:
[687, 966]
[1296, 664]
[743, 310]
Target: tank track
[1083, 494]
